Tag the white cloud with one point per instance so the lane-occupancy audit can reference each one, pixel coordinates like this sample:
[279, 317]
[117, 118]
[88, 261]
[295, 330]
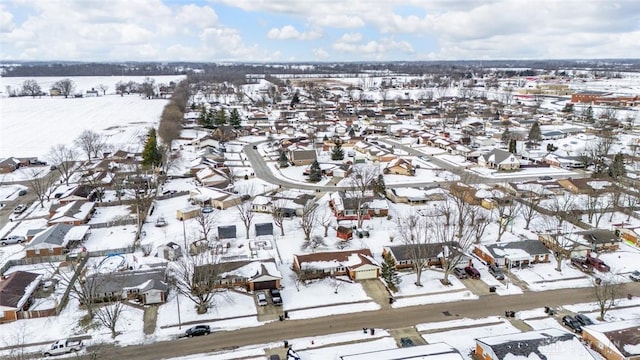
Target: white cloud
[374, 49]
[6, 20]
[320, 53]
[288, 32]
[350, 37]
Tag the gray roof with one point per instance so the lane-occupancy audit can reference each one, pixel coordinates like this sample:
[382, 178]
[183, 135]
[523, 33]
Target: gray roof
[53, 235]
[13, 288]
[303, 155]
[427, 251]
[598, 236]
[227, 232]
[116, 282]
[264, 229]
[531, 247]
[500, 155]
[527, 347]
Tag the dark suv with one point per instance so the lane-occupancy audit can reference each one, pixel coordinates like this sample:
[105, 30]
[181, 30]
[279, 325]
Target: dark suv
[275, 296]
[496, 272]
[572, 323]
[198, 330]
[460, 273]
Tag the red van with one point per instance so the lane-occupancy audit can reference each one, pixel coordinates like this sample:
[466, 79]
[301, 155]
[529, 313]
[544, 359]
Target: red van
[472, 272]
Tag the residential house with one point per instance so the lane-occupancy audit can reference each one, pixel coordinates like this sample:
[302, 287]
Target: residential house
[188, 212]
[249, 274]
[400, 166]
[77, 193]
[16, 293]
[8, 165]
[499, 159]
[618, 340]
[302, 157]
[262, 204]
[581, 243]
[514, 253]
[584, 186]
[357, 264]
[428, 254]
[628, 233]
[144, 286]
[414, 196]
[212, 177]
[549, 344]
[600, 240]
[465, 192]
[56, 240]
[345, 207]
[216, 198]
[74, 213]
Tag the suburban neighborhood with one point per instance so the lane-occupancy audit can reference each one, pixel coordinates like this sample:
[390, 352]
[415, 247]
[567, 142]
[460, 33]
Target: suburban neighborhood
[293, 198]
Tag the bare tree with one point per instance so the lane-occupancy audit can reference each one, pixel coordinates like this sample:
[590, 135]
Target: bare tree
[308, 219]
[606, 291]
[528, 210]
[66, 86]
[413, 233]
[108, 314]
[41, 186]
[507, 209]
[361, 182]
[194, 277]
[479, 218]
[206, 223]
[31, 88]
[326, 220]
[64, 159]
[91, 143]
[597, 205]
[277, 213]
[561, 206]
[246, 215]
[103, 88]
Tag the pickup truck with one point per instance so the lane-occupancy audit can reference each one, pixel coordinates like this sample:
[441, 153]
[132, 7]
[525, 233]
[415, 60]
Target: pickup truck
[63, 347]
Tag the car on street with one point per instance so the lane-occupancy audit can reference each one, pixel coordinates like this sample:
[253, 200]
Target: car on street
[20, 209]
[571, 322]
[12, 239]
[583, 319]
[262, 298]
[198, 330]
[496, 272]
[544, 178]
[406, 342]
[635, 276]
[275, 296]
[460, 273]
[472, 272]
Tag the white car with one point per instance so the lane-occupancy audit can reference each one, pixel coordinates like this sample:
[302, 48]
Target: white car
[262, 298]
[20, 209]
[13, 239]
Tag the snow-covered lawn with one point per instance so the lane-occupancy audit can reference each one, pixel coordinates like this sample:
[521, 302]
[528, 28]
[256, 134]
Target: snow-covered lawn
[319, 292]
[105, 214]
[114, 237]
[23, 173]
[430, 280]
[295, 174]
[543, 276]
[623, 261]
[549, 171]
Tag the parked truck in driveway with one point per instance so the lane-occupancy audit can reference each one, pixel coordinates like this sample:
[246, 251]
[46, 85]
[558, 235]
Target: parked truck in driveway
[63, 347]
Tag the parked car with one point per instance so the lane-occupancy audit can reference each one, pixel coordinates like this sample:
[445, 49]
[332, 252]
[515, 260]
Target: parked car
[275, 296]
[496, 272]
[406, 342]
[598, 264]
[63, 347]
[472, 272]
[583, 319]
[22, 192]
[572, 323]
[635, 276]
[13, 239]
[198, 330]
[274, 357]
[582, 264]
[262, 298]
[20, 209]
[460, 273]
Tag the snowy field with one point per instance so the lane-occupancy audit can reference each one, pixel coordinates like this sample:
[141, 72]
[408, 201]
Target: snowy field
[59, 121]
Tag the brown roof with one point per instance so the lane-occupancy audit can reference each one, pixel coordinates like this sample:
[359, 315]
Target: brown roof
[13, 288]
[339, 256]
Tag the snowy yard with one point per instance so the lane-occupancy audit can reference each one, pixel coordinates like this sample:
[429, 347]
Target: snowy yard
[543, 276]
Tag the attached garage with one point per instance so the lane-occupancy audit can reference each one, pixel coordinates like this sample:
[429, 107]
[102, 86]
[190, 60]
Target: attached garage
[366, 271]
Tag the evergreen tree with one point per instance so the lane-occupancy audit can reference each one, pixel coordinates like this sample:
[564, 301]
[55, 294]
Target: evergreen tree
[283, 161]
[234, 118]
[389, 273]
[506, 135]
[205, 119]
[616, 169]
[378, 186]
[220, 117]
[352, 132]
[587, 114]
[337, 153]
[325, 138]
[535, 135]
[151, 156]
[315, 174]
[512, 146]
[551, 148]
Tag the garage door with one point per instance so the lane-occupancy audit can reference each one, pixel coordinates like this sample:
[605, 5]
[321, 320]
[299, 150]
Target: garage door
[264, 285]
[366, 274]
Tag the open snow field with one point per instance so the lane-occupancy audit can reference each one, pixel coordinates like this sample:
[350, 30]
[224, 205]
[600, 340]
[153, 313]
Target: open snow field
[30, 126]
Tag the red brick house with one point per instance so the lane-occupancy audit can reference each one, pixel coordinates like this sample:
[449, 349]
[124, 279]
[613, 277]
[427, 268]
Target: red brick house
[357, 264]
[16, 291]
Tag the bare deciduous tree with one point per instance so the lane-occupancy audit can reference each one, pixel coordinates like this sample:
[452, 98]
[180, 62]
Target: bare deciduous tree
[606, 291]
[528, 210]
[103, 88]
[246, 215]
[361, 182]
[277, 213]
[195, 277]
[31, 88]
[91, 143]
[326, 220]
[308, 219]
[66, 86]
[108, 314]
[64, 159]
[40, 185]
[206, 223]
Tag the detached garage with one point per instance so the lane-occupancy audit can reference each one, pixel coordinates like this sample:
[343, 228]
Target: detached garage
[364, 272]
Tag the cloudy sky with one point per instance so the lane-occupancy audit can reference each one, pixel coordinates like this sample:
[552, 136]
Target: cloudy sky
[317, 30]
